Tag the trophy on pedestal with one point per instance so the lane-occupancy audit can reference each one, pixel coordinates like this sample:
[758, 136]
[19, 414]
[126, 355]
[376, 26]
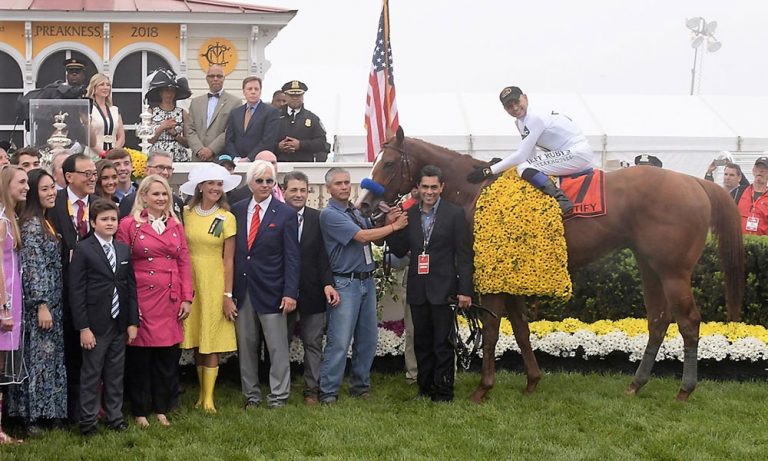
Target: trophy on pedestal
[145, 129]
[59, 137]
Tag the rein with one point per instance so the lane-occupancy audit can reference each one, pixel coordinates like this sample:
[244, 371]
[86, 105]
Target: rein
[463, 353]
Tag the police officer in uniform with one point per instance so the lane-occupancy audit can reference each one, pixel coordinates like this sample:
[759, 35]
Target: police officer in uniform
[301, 135]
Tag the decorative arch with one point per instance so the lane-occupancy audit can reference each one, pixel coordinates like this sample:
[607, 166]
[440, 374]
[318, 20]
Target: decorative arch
[145, 46]
[13, 53]
[46, 52]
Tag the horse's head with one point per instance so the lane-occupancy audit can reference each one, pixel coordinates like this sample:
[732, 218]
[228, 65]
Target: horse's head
[392, 177]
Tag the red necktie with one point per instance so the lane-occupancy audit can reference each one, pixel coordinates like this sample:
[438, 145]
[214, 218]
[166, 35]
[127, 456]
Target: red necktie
[255, 222]
[81, 227]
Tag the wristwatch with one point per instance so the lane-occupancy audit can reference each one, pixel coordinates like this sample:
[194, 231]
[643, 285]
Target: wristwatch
[228, 295]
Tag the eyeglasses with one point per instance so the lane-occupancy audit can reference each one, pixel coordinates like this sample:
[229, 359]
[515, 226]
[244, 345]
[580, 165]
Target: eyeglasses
[87, 174]
[269, 181]
[169, 169]
[215, 76]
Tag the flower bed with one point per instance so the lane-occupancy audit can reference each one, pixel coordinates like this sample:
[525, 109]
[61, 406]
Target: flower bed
[573, 338]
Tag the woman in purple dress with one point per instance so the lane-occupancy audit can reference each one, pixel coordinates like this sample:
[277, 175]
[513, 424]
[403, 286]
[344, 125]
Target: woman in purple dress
[13, 191]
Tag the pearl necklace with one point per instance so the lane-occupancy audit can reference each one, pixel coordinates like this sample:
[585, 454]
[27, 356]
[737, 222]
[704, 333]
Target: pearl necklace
[204, 213]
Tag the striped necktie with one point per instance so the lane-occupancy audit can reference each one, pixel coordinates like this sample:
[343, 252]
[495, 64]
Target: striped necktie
[111, 258]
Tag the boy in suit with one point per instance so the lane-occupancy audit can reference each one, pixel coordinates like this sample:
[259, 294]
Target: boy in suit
[103, 300]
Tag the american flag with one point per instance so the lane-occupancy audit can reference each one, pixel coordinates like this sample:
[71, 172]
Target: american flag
[380, 108]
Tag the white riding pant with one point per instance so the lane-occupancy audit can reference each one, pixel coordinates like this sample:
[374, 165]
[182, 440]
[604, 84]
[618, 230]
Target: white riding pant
[560, 162]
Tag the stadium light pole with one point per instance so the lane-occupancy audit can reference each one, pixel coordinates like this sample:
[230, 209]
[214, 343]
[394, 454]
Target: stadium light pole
[702, 31]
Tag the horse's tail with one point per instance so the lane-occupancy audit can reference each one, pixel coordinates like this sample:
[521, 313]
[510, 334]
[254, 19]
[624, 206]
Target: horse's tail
[726, 226]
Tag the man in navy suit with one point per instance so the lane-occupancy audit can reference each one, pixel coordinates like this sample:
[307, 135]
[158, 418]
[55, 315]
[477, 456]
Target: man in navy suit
[70, 219]
[252, 127]
[266, 284]
[316, 283]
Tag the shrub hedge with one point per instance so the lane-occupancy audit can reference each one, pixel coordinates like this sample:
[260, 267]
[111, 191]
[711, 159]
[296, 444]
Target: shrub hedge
[611, 288]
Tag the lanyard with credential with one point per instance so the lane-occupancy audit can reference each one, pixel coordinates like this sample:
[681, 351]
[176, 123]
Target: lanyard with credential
[428, 231]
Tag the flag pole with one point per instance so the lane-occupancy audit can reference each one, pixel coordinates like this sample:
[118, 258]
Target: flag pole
[386, 64]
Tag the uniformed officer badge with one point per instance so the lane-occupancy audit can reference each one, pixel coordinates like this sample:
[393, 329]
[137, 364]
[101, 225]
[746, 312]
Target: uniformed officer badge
[526, 132]
[308, 122]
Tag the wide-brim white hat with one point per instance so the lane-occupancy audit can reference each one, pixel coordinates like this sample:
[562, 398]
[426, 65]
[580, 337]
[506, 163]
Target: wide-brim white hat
[209, 172]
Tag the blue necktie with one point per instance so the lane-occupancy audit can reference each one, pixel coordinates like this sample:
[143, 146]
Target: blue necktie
[111, 258]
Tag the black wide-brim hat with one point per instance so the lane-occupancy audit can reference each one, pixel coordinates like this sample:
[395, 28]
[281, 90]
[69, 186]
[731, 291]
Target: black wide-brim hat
[164, 78]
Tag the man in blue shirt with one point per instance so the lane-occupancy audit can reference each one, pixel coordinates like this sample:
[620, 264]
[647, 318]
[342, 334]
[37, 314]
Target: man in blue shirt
[348, 236]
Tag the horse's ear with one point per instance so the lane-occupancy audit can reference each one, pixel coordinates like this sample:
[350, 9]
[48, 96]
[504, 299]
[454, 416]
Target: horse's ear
[400, 135]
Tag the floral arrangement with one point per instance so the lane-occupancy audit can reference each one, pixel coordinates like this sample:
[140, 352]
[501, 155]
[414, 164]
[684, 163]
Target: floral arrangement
[520, 241]
[573, 338]
[386, 284]
[139, 160]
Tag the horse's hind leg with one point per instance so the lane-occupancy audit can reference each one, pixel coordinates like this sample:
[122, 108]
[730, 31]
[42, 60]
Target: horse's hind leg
[490, 337]
[659, 318]
[516, 309]
[680, 297]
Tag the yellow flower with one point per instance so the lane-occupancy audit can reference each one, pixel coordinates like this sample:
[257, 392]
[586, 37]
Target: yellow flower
[519, 241]
[139, 160]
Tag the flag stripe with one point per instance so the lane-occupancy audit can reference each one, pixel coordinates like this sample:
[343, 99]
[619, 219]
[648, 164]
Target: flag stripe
[381, 117]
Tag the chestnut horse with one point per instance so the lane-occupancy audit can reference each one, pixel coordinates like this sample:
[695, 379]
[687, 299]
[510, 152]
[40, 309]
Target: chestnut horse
[662, 216]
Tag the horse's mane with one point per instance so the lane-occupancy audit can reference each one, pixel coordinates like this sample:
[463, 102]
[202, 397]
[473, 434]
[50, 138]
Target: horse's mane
[444, 151]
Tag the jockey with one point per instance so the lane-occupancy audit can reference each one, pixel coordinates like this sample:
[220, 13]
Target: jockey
[564, 149]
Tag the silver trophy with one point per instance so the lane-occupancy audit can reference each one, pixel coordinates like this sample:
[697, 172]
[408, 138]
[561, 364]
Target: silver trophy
[145, 130]
[59, 137]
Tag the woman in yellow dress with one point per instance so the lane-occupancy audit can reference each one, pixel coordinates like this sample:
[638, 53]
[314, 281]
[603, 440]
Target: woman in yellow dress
[210, 229]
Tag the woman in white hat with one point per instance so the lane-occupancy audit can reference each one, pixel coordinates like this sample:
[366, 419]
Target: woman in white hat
[210, 228]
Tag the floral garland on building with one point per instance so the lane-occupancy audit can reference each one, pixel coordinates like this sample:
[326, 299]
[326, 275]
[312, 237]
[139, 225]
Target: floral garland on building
[519, 241]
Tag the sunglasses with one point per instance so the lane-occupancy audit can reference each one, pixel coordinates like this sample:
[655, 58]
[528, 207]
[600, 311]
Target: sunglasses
[269, 181]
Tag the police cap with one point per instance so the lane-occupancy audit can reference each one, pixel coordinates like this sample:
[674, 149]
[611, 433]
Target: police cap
[294, 87]
[73, 64]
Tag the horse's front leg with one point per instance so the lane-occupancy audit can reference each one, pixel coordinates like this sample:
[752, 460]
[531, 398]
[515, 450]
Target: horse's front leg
[516, 309]
[490, 337]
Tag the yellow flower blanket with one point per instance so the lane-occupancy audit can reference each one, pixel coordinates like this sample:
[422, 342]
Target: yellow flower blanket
[519, 241]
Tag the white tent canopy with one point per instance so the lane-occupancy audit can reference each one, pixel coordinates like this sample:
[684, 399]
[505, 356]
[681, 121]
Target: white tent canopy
[685, 132]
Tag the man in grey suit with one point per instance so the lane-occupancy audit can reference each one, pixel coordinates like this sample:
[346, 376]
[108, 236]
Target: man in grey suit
[208, 115]
[252, 127]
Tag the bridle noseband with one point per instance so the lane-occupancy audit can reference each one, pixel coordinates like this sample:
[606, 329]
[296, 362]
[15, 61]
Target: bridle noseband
[405, 165]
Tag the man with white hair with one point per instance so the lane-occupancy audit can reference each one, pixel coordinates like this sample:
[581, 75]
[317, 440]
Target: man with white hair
[59, 155]
[266, 284]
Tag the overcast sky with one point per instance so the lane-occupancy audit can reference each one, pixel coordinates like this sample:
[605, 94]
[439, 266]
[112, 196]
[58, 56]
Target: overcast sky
[543, 46]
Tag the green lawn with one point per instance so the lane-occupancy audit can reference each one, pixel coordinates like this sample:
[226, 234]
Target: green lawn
[572, 416]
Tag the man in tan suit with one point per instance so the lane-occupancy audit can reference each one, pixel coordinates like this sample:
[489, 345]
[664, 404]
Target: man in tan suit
[208, 116]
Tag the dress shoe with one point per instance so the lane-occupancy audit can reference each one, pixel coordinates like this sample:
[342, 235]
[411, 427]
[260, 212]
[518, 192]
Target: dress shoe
[275, 405]
[250, 404]
[34, 431]
[89, 431]
[122, 426]
[311, 401]
[363, 395]
[329, 401]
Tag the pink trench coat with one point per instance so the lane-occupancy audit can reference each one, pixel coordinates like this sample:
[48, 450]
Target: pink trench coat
[163, 279]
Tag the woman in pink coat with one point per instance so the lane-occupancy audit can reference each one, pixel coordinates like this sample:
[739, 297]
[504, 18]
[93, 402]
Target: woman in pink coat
[160, 260]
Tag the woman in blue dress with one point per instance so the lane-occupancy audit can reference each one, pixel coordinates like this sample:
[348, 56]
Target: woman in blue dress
[42, 398]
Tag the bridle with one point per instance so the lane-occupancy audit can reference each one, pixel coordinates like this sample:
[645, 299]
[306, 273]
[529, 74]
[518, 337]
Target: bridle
[405, 165]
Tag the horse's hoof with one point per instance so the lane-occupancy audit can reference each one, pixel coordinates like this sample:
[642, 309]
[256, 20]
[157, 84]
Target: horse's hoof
[476, 398]
[682, 396]
[531, 386]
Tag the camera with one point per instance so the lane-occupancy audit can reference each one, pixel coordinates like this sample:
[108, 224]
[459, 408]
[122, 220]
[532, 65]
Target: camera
[720, 162]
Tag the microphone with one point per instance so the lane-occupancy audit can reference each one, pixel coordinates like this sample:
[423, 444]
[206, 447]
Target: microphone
[371, 185]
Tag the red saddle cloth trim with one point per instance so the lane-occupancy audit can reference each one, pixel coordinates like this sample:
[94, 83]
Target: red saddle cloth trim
[587, 192]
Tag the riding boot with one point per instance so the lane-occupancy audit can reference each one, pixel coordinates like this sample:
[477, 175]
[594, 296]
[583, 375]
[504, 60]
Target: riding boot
[209, 384]
[201, 395]
[544, 184]
[549, 188]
